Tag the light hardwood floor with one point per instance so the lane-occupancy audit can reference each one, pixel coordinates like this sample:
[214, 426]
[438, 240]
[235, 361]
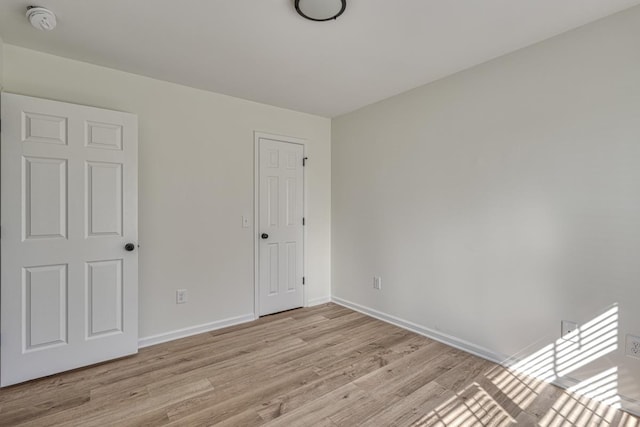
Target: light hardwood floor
[320, 366]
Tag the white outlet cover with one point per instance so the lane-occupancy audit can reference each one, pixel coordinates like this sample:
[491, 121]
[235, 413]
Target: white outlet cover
[632, 348]
[569, 330]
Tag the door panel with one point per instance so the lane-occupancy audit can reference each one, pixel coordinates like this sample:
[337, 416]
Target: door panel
[280, 210]
[291, 266]
[45, 198]
[44, 128]
[104, 199]
[106, 136]
[291, 210]
[274, 269]
[104, 297]
[69, 205]
[273, 205]
[45, 306]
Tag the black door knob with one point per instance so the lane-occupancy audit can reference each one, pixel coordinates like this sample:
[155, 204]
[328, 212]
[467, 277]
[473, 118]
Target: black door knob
[129, 247]
[265, 236]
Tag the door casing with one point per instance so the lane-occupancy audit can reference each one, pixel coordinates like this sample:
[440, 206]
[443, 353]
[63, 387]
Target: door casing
[256, 215]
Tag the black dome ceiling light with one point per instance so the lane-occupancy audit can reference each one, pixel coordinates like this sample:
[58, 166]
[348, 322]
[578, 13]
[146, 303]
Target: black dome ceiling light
[320, 10]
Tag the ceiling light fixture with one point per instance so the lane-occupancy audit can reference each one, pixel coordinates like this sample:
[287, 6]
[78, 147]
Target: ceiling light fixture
[41, 18]
[320, 10]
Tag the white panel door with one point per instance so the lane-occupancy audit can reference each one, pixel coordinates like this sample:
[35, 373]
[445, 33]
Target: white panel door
[280, 230]
[69, 207]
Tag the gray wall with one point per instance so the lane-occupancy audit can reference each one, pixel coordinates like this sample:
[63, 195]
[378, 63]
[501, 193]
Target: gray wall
[500, 200]
[196, 156]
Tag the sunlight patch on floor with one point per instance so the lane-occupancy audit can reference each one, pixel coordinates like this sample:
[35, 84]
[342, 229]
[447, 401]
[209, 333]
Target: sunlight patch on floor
[521, 388]
[576, 410]
[473, 406]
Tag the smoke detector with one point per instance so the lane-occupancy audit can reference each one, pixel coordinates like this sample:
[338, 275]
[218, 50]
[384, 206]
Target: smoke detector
[41, 18]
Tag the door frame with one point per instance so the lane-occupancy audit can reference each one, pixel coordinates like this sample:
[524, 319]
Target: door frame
[256, 214]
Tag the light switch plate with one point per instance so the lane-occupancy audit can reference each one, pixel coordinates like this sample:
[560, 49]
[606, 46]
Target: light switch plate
[181, 296]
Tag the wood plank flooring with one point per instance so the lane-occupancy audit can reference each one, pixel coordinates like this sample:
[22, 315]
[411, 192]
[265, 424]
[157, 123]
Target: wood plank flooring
[320, 366]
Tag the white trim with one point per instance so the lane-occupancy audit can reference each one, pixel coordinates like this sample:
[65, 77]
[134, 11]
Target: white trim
[317, 301]
[630, 405]
[256, 224]
[421, 330]
[194, 330]
[256, 215]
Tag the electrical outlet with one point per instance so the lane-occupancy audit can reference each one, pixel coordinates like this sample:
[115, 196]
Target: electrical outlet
[377, 282]
[569, 330]
[633, 346]
[181, 296]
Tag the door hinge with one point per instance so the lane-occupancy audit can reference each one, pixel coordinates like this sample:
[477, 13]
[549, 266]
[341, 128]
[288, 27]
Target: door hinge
[304, 222]
[303, 280]
[304, 161]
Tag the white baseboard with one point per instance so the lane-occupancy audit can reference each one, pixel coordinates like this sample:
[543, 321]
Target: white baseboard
[194, 330]
[207, 327]
[630, 405]
[427, 332]
[318, 301]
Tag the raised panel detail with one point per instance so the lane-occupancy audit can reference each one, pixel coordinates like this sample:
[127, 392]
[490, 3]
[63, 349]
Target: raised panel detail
[104, 199]
[44, 198]
[273, 159]
[292, 161]
[291, 266]
[103, 135]
[273, 201]
[44, 128]
[274, 264]
[290, 194]
[44, 306]
[104, 297]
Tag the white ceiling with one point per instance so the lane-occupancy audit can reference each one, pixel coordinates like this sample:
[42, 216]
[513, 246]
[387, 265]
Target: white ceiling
[263, 51]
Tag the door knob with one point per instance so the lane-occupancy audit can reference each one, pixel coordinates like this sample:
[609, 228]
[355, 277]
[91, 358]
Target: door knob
[265, 236]
[129, 247]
